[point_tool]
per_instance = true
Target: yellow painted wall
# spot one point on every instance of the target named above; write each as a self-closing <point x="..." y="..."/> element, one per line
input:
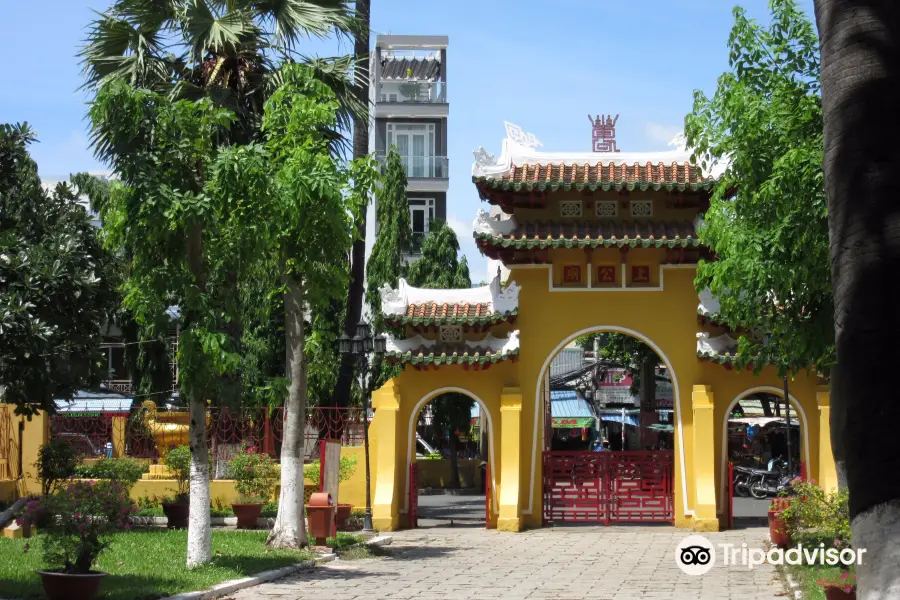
<point x="438" y="473"/>
<point x="8" y="490"/>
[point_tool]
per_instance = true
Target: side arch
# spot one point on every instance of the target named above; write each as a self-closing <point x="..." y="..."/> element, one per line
<point x="768" y="389"/>
<point x="677" y="400"/>
<point x="411" y="438"/>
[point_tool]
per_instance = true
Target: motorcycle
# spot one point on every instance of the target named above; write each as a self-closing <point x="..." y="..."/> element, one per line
<point x="741" y="481"/>
<point x="773" y="481"/>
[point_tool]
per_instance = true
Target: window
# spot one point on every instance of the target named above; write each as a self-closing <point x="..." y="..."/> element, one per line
<point x="642" y="208"/>
<point x="570" y="208"/>
<point x="421" y="214"/>
<point x="415" y="144"/>
<point x="607" y="208"/>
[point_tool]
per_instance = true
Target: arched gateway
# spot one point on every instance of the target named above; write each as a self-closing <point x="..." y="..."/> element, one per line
<point x="580" y="242"/>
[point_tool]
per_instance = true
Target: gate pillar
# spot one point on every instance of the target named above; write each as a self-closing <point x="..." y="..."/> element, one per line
<point x="703" y="428"/>
<point x="510" y="459"/>
<point x="384" y="431"/>
<point x="827" y="478"/>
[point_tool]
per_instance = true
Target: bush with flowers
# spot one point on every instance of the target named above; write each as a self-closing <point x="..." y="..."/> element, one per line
<point x="255" y="475"/>
<point x="87" y="513"/>
<point x="812" y="515"/>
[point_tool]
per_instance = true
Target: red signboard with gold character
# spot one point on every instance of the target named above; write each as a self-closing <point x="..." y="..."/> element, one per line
<point x="640" y="274"/>
<point x="571" y="274"/>
<point x="606" y="274"/>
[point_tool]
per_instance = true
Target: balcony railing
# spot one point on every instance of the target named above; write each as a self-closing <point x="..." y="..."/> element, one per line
<point x="422" y="166"/>
<point x="424" y="92"/>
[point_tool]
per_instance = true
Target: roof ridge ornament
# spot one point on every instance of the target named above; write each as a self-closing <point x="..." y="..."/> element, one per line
<point x="493" y="225"/>
<point x="519" y="136"/>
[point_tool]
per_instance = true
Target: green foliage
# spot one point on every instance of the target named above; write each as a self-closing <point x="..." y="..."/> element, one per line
<point x="255" y="475"/>
<point x="178" y="460"/>
<point x="346" y="470"/>
<point x="124" y="471"/>
<point x="440" y="266"/>
<point x="767" y="221"/>
<point x="57" y="282"/>
<point x="621" y="350"/>
<point x="56" y="463"/>
<point x="86" y="514"/>
<point x="813" y="515"/>
<point x="386" y="264"/>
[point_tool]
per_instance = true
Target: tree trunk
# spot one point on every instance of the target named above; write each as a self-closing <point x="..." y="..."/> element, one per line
<point x="860" y="44"/>
<point x="199" y="547"/>
<point x="344" y="383"/>
<point x="766" y="405"/>
<point x="454" y="462"/>
<point x="290" y="525"/>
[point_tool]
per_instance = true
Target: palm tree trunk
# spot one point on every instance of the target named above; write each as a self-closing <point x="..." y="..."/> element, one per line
<point x="199" y="545"/>
<point x="860" y="44"/>
<point x="341" y="395"/>
<point x="290" y="525"/>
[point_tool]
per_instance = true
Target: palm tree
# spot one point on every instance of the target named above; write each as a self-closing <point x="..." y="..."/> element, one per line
<point x="227" y="50"/>
<point x="860" y="47"/>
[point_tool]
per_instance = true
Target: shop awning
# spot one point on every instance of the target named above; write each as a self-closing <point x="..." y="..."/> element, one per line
<point x="569" y="410"/>
<point x="763" y="421"/>
<point x="629" y="419"/>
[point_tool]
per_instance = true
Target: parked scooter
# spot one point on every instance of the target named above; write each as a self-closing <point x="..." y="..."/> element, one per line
<point x="741" y="481"/>
<point x="773" y="481"/>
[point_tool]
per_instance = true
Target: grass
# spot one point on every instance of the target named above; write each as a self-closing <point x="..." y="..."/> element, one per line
<point x="149" y="564"/>
<point x="152" y="508"/>
<point x="807" y="575"/>
<point x="351" y="547"/>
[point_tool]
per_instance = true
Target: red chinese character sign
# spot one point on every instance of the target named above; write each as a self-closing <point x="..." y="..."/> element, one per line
<point x="604" y="133"/>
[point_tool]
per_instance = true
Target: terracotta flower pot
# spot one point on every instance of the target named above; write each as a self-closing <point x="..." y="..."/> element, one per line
<point x="247" y="515"/>
<point x="65" y="586"/>
<point x="342" y="516"/>
<point x="778" y="530"/>
<point x="177" y="513"/>
<point x="838" y="591"/>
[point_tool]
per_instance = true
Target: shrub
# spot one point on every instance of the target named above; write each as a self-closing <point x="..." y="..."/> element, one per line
<point x="346" y="470"/>
<point x="255" y="476"/>
<point x="87" y="513"/>
<point x="812" y="513"/>
<point x="179" y="462"/>
<point x="56" y="463"/>
<point x="126" y="471"/>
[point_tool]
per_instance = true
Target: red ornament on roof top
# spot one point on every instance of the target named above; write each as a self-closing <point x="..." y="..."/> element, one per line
<point x="604" y="133"/>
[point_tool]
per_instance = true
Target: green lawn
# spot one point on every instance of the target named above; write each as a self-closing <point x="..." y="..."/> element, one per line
<point x="149" y="564"/>
<point x="807" y="575"/>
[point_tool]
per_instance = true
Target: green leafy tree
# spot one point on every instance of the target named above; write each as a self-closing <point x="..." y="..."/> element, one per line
<point x="393" y="242"/>
<point x="314" y="231"/>
<point x="451" y="414"/>
<point x="191" y="213"/>
<point x="767" y="221"/>
<point x="440" y="266"/>
<point x="58" y="285"/>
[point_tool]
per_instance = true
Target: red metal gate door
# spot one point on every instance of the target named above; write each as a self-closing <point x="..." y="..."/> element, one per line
<point x="413" y="495"/>
<point x="576" y="487"/>
<point x="729" y="507"/>
<point x="487" y="496"/>
<point x="641" y="486"/>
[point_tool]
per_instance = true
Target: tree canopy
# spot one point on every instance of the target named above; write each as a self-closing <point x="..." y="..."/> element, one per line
<point x="58" y="284"/>
<point x="440" y="267"/>
<point x="767" y="220"/>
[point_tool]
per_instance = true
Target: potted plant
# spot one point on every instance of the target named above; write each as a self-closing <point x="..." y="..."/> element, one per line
<point x="177" y="508"/>
<point x="346" y="470"/>
<point x="778" y="527"/>
<point x="839" y="587"/>
<point x="87" y="512"/>
<point x="254" y="476"/>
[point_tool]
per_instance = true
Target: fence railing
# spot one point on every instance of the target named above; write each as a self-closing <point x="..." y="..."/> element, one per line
<point x="147" y="434"/>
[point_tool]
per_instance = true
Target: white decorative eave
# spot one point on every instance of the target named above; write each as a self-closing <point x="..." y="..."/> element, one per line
<point x="520" y="148"/>
<point x="493" y="225"/>
<point x="709" y="305"/>
<point x="495" y="345"/>
<point x="721" y="344"/>
<point x="502" y="301"/>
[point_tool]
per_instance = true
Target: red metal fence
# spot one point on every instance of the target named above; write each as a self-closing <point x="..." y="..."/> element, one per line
<point x="146" y="433"/>
<point x="413" y="495"/>
<point x="608" y="487"/>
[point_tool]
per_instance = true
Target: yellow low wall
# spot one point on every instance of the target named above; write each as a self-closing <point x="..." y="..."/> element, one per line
<point x="9" y="491"/>
<point x="437" y="473"/>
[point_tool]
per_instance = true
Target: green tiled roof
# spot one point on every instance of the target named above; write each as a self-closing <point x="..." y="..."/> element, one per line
<point x="450" y="356"/>
<point x="440" y="319"/>
<point x="594" y="234"/>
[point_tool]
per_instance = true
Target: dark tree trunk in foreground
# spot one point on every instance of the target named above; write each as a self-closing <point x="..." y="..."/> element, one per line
<point x="860" y="43"/>
<point x="341" y="395"/>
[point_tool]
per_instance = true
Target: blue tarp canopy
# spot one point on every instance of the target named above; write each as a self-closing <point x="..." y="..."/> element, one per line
<point x="629" y="419"/>
<point x="86" y="402"/>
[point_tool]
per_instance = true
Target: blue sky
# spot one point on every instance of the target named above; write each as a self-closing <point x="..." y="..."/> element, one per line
<point x="542" y="65"/>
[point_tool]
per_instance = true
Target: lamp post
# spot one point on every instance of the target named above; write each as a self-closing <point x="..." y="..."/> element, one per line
<point x="787" y="417"/>
<point x="360" y="346"/>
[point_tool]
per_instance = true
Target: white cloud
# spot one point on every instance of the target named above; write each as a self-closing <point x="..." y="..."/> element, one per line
<point x="660" y="133"/>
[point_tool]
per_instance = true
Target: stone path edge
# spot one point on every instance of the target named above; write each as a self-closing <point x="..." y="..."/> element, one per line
<point x="228" y="587"/>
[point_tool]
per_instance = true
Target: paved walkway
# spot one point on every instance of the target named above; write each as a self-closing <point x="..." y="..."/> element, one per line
<point x="598" y="563"/>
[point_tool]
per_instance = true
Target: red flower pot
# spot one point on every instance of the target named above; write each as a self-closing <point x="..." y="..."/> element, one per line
<point x="837" y="591"/>
<point x="65" y="586"/>
<point x="177" y="513"/>
<point x="342" y="516"/>
<point x="247" y="515"/>
<point x="778" y="530"/>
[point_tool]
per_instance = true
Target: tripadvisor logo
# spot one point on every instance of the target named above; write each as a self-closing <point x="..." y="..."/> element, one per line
<point x="696" y="555"/>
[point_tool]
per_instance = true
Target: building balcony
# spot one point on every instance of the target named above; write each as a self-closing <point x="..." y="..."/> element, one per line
<point x="421" y="167"/>
<point x="412" y="91"/>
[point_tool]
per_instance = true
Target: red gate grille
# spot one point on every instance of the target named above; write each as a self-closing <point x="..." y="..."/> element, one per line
<point x="608" y="487"/>
<point x="413" y="495"/>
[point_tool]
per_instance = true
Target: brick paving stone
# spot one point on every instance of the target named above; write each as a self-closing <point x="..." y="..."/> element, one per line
<point x="563" y="563"/>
